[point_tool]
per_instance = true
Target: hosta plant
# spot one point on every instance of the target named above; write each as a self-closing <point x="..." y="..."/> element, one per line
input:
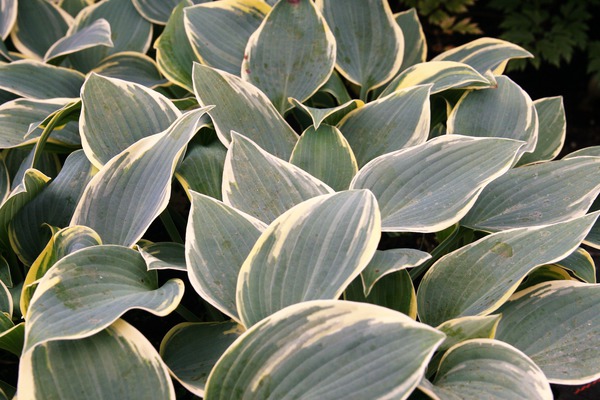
<point x="283" y="199"/>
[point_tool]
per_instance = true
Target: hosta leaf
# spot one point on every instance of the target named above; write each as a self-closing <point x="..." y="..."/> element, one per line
<point x="556" y="324"/>
<point x="592" y="151"/>
<point x="241" y="107"/>
<point x="364" y="31"/>
<point x="134" y="187"/>
<point x="88" y="290"/>
<point x="6" y="300"/>
<point x="39" y="24"/>
<point x="537" y="194"/>
<point x="325" y="154"/>
<point x="394" y="291"/>
<point x="336" y="87"/>
<point x="486" y="368"/>
<point x="218" y="240"/>
<point x="461" y="329"/>
<point x="54" y="206"/>
<point x="211" y="24"/>
<point x="165" y="255"/>
<point x="130" y="112"/>
<point x="398" y="120"/>
<point x="4" y="181"/>
<point x="301" y="246"/>
<point x="263" y="185"/>
<point x="415" y="45"/>
<point x="62" y="243"/>
<point x="478" y="278"/>
<point x="96" y="34"/>
<point x="303" y="351"/>
<point x="507" y="111"/>
<point x="429" y="187"/>
<point x="387" y="261"/>
<point x="329" y="116"/>
<point x="12" y="338"/>
<point x="21" y="119"/>
<point x="581" y="264"/>
<point x="443" y="75"/>
<point x="191" y="350"/>
<point x="74" y="6"/>
<point x="131" y="66"/>
<point x="8" y="17"/>
<point x="552" y="130"/>
<point x="174" y="54"/>
<point x="125" y="366"/>
<point x="202" y="168"/>
<point x="156" y="11"/>
<point x="34" y="80"/>
<point x="129" y="31"/>
<point x="485" y="54"/>
<point x="19" y="161"/>
<point x="291" y="54"/>
<point x="32" y="183"/>
<point x="545" y="273"/>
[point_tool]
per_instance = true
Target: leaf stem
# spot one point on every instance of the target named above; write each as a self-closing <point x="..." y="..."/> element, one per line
<point x="170" y="226"/>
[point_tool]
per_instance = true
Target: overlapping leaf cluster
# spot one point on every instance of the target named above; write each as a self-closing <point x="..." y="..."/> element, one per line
<point x="316" y="147"/>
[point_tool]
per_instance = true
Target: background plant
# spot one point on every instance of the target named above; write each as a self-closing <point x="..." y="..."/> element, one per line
<point x="324" y="226"/>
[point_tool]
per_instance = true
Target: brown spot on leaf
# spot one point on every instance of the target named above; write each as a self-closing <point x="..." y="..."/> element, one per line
<point x="293" y="1"/>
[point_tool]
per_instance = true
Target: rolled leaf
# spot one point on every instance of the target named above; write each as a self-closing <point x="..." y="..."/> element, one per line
<point x="96" y="34"/>
<point x="191" y="350"/>
<point x="507" y="111"/>
<point x="478" y="278"/>
<point x="581" y="264"/>
<point x="174" y="54"/>
<point x="86" y="291"/>
<point x="394" y="291"/>
<point x="164" y="255"/>
<point x="304" y="350"/>
<point x="325" y="154"/>
<point x="485" y="54"/>
<point x="54" y="206"/>
<point x="537" y="194"/>
<point x="300" y="247"/>
<point x="556" y="324"/>
<point x="129" y="32"/>
<point x="208" y="25"/>
<point x="263" y="185"/>
<point x="62" y="243"/>
<point x="398" y="120"/>
<point x="202" y="168"/>
<point x="364" y="31"/>
<point x="415" y="45"/>
<point x="133" y="67"/>
<point x="39" y="24"/>
<point x="30" y="185"/>
<point x="387" y="261"/>
<point x="21" y="120"/>
<point x="552" y="130"/>
<point x="460" y="166"/>
<point x="291" y="54"/>
<point x="443" y="75"/>
<point x="156" y="11"/>
<point x="34" y="80"/>
<point x="8" y="17"/>
<point x="330" y="116"/>
<point x="218" y="240"/>
<point x="130" y="112"/>
<point x="485" y="368"/>
<point x="134" y="187"/>
<point x="125" y="366"/>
